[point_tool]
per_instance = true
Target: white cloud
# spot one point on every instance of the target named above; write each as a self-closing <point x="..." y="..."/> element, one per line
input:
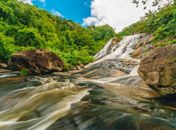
<point x="54" y="12"/>
<point x="26" y="1"/>
<point x="116" y="13"/>
<point x="91" y="21"/>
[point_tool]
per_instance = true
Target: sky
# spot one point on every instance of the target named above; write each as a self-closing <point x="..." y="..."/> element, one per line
<point x="75" y="10"/>
<point x="116" y="13"/>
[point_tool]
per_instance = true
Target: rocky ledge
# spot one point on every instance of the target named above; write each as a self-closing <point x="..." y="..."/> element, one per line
<point x="159" y="70"/>
<point x="36" y="62"/>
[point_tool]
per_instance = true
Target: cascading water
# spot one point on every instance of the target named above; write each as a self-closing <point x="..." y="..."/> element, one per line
<point x="119" y="53"/>
<point x="107" y="94"/>
<point x="120" y="50"/>
<point x="105" y="51"/>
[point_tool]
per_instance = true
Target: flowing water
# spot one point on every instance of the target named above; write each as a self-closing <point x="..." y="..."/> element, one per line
<point x="107" y="94"/>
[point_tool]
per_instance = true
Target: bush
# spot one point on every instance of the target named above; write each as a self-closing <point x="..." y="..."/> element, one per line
<point x="24" y="72"/>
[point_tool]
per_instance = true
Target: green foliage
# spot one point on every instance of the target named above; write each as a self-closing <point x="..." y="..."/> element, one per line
<point x="5" y="11"/>
<point x="76" y="57"/>
<point x="162" y="25"/>
<point x="29" y="37"/>
<point x="24" y="27"/>
<point x="24" y="72"/>
<point x="5" y="49"/>
<point x="101" y="35"/>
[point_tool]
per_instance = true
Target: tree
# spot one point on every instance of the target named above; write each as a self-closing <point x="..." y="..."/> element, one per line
<point x="5" y="52"/>
<point x="81" y="37"/>
<point x="29" y="37"/>
<point x="5" y="11"/>
<point x="104" y="32"/>
<point x="157" y="3"/>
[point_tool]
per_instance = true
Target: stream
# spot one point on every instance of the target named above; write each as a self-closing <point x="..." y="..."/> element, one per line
<point x="107" y="94"/>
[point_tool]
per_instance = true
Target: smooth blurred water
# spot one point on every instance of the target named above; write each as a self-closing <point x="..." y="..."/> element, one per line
<point x="58" y="104"/>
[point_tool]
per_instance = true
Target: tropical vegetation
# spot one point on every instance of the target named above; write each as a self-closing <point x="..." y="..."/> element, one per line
<point x="161" y="24"/>
<point x="24" y="27"/>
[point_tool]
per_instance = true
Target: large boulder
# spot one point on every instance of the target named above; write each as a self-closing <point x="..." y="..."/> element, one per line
<point x="36" y="62"/>
<point x="159" y="70"/>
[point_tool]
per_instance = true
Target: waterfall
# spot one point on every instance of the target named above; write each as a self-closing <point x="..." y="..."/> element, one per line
<point x="115" y="60"/>
<point x="122" y="50"/>
<point x="105" y="51"/>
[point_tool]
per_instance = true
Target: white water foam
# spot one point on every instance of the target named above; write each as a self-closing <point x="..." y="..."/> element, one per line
<point x="104" y="51"/>
<point x="121" y="50"/>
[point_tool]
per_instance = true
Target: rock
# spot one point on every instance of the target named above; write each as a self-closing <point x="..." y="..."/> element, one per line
<point x="159" y="70"/>
<point x="36" y="61"/>
<point x="3" y="66"/>
<point x="142" y="51"/>
<point x="144" y="41"/>
<point x="114" y="42"/>
<point x="128" y="62"/>
<point x="137" y="52"/>
<point x="79" y="67"/>
<point x="142" y="47"/>
<point x="108" y="68"/>
<point x="3" y="71"/>
<point x="82" y="65"/>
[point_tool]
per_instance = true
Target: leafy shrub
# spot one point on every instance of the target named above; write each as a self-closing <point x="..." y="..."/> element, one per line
<point x="24" y="72"/>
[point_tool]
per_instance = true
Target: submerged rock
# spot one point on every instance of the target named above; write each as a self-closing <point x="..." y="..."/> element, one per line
<point x="36" y="61"/>
<point x="159" y="70"/>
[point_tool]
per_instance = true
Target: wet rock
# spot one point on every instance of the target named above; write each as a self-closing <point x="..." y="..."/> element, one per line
<point x="109" y="68"/>
<point x="142" y="47"/>
<point x="137" y="52"/>
<point x="142" y="52"/>
<point x="3" y="66"/>
<point x="128" y="62"/>
<point x="79" y="67"/>
<point x="2" y="71"/>
<point x="144" y="41"/>
<point x="114" y="42"/>
<point x="36" y="61"/>
<point x="159" y="70"/>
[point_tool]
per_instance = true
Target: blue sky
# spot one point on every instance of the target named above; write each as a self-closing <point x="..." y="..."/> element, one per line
<point x="75" y="10"/>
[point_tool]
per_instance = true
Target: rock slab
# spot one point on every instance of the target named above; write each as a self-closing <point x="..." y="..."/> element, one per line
<point x="159" y="70"/>
<point x="36" y="62"/>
